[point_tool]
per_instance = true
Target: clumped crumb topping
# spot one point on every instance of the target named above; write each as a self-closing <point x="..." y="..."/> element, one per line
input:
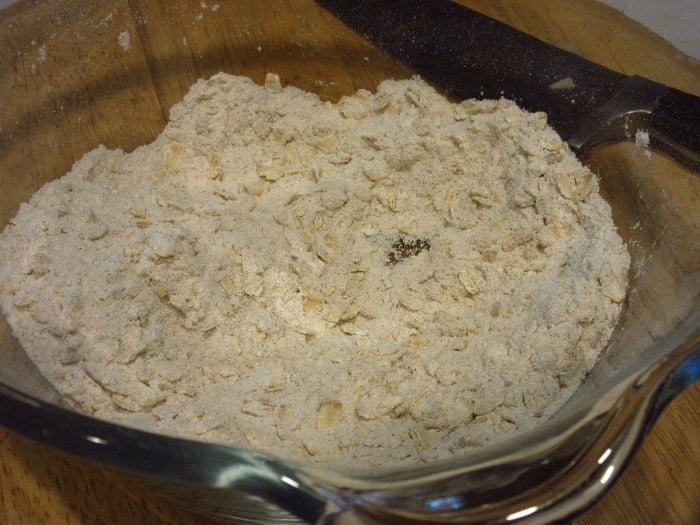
<point x="384" y="281"/>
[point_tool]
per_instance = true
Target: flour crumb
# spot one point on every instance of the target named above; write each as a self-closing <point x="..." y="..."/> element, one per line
<point x="41" y="54"/>
<point x="387" y="280"/>
<point x="124" y="40"/>
<point x="641" y="140"/>
<point x="107" y="19"/>
<point x="563" y="84"/>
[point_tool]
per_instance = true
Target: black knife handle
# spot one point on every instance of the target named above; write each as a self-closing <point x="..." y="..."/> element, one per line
<point x="467" y="54"/>
<point x="675" y="123"/>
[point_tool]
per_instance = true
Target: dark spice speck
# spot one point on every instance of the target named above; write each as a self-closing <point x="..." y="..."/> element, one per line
<point x="403" y="248"/>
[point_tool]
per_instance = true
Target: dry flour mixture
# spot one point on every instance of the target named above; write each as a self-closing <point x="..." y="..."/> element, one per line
<point x="392" y="278"/>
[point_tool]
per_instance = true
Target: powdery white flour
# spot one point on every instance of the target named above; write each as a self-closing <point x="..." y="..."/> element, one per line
<point x="392" y="278"/>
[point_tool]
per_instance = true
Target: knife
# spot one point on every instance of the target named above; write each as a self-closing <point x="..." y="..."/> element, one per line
<point x="469" y="55"/>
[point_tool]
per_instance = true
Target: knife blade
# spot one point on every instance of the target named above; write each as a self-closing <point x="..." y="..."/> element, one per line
<point x="469" y="55"/>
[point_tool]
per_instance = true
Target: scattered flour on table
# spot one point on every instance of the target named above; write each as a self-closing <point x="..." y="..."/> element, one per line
<point x="124" y="40"/>
<point x="392" y="278"/>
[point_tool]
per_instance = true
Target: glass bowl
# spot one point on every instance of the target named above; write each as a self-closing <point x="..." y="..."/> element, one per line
<point x="79" y="74"/>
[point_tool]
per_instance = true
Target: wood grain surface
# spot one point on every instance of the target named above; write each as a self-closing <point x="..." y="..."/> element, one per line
<point x="64" y="66"/>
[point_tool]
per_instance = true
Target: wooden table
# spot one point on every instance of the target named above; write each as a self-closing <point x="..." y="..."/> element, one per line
<point x="132" y="81"/>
